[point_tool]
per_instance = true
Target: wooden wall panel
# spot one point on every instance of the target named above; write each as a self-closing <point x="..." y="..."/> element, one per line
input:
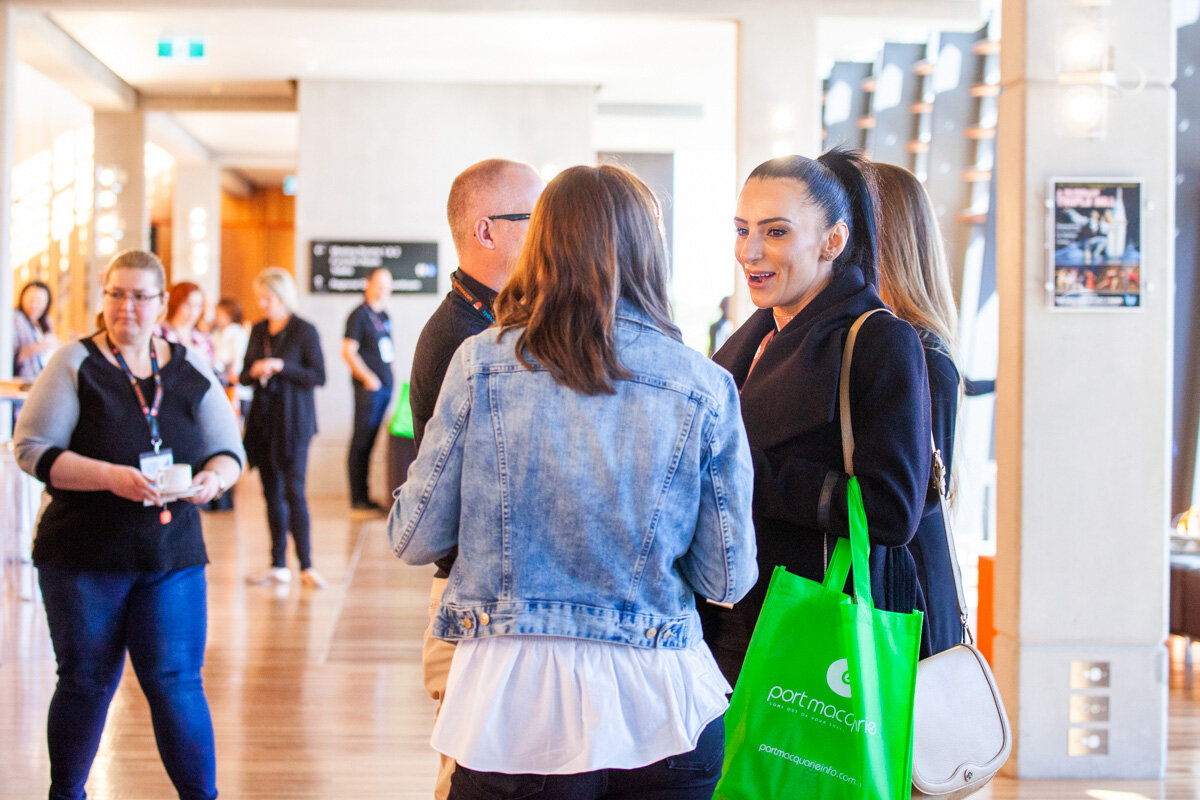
<point x="256" y="232"/>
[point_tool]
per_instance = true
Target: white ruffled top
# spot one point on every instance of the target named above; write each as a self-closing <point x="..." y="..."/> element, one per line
<point x="559" y="706"/>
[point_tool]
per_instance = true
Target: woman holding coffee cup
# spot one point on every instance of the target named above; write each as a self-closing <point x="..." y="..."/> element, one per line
<point x="115" y="426"/>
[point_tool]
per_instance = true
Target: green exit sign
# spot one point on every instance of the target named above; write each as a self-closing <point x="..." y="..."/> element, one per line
<point x="181" y="48"/>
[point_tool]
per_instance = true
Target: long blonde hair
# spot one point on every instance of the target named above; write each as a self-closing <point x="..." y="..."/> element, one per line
<point x="914" y="277"/>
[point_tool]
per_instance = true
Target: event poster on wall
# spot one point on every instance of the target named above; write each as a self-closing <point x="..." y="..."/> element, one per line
<point x="1096" y="259"/>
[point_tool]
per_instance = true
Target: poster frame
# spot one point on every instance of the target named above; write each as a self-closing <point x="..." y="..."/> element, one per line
<point x="1053" y="293"/>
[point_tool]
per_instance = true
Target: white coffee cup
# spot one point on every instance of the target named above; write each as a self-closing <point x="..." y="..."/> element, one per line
<point x="175" y="479"/>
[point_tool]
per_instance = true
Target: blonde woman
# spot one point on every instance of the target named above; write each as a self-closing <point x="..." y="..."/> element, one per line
<point x="914" y="280"/>
<point x="284" y="364"/>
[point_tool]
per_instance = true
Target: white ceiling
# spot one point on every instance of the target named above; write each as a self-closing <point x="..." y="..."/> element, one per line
<point x="631" y="60"/>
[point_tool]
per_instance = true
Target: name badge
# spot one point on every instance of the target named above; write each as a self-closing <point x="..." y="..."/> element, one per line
<point x="152" y="463"/>
<point x="386" y="351"/>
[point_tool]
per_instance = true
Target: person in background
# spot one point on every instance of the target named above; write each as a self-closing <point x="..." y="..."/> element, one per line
<point x="914" y="279"/>
<point x="33" y="334"/>
<point x="185" y="307"/>
<point x="805" y="239"/>
<point x="283" y="364"/>
<point x="488" y="208"/>
<point x="719" y="331"/>
<point x="367" y="348"/>
<point x="594" y="472"/>
<point x="229" y="346"/>
<point x="229" y="340"/>
<point x="121" y="565"/>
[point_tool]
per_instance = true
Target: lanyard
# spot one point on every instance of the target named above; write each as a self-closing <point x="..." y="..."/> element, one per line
<point x="470" y="298"/>
<point x="382" y="325"/>
<point x="148" y="411"/>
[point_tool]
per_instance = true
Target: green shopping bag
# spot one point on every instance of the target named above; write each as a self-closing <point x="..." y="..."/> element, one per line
<point x="402" y="420"/>
<point x="824" y="704"/>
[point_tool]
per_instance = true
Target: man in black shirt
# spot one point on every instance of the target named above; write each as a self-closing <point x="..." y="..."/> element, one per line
<point x="367" y="348"/>
<point x="489" y="208"/>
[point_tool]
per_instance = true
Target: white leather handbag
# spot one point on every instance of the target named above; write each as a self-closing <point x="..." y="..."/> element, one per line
<point x="961" y="733"/>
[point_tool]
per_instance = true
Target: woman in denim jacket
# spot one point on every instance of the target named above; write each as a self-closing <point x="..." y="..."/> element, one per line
<point x="594" y="473"/>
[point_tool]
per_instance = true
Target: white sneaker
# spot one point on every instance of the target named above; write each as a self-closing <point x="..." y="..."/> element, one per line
<point x="312" y="579"/>
<point x="270" y="575"/>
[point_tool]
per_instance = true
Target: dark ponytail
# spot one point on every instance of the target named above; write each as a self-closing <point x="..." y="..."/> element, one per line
<point x="837" y="183"/>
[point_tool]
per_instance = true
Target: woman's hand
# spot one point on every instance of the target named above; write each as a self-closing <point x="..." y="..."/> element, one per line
<point x="265" y="368"/>
<point x="207" y="485"/>
<point x="130" y="483"/>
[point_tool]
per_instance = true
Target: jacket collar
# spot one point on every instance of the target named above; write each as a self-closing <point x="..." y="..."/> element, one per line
<point x="794" y="385"/>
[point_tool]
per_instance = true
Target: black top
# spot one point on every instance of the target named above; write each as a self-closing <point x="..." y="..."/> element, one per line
<point x="283" y="414"/>
<point x="369" y="328"/>
<point x="97" y="530"/>
<point x="453" y="322"/>
<point x="943" y="629"/>
<point x="790" y="407"/>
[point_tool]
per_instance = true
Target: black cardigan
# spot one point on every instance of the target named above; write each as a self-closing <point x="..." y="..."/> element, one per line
<point x="283" y="414"/>
<point x="928" y="547"/>
<point x="790" y="407"/>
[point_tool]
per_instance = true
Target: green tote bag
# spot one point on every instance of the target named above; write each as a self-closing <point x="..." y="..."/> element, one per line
<point x="823" y="707"/>
<point x="824" y="704"/>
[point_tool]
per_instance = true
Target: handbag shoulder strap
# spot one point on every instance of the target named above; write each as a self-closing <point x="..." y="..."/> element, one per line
<point x="844" y="389"/>
<point x="942" y="483"/>
<point x="939" y="468"/>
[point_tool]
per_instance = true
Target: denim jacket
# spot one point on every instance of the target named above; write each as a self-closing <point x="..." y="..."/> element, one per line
<point x="591" y="517"/>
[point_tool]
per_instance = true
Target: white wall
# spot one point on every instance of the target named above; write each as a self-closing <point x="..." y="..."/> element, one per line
<point x="376" y="163"/>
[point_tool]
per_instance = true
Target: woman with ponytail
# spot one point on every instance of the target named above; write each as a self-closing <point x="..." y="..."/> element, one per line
<point x="806" y="241"/>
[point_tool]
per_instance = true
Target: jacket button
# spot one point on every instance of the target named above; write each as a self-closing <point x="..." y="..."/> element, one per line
<point x="466" y="623"/>
<point x="651" y="633"/>
<point x="484" y="619"/>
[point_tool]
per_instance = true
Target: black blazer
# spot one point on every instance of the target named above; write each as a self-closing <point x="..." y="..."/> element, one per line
<point x="790" y="407"/>
<point x="283" y="414"/>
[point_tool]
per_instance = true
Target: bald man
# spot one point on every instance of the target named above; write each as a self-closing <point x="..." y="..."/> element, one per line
<point x="489" y="208"/>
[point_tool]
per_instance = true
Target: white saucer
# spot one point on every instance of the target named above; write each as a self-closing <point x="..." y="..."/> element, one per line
<point x="173" y="496"/>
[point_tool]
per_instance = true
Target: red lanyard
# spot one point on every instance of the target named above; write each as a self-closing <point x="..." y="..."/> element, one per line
<point x="150" y="412"/>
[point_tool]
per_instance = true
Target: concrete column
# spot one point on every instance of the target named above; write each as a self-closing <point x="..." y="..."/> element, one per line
<point x="1083" y="417"/>
<point x="8" y="87"/>
<point x="779" y="96"/>
<point x="120" y="145"/>
<point x="196" y="227"/>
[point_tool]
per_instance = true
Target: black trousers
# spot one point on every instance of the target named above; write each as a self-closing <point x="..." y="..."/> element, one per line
<point x="687" y="776"/>
<point x="287" y="509"/>
<point x="369" y="410"/>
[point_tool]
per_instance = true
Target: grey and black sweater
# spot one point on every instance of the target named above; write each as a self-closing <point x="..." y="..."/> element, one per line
<point x="82" y="402"/>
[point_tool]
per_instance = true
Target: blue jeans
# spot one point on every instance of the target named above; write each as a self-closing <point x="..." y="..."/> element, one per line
<point x="687" y="776"/>
<point x="161" y="618"/>
<point x="369" y="411"/>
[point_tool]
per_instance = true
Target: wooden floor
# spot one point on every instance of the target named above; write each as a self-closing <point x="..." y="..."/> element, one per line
<point x="317" y="694"/>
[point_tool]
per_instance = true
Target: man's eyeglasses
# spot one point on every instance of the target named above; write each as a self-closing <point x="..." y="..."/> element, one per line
<point x="510" y="217"/>
<point x="119" y="296"/>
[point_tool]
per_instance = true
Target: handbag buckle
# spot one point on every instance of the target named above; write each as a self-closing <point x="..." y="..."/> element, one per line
<point x="939" y="474"/>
